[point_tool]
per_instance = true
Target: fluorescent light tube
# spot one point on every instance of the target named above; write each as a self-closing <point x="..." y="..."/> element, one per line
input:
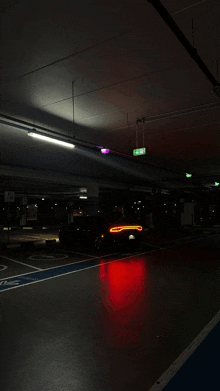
<point x="51" y="140"/>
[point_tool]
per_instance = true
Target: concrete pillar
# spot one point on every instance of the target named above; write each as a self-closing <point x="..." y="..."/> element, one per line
<point x="70" y="212"/>
<point x="92" y="207"/>
<point x="23" y="218"/>
<point x="187" y="218"/>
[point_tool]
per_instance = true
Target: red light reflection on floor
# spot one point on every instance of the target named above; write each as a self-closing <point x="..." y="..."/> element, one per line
<point x="123" y="289"/>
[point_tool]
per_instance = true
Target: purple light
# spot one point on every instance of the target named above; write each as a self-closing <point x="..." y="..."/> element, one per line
<point x="104" y="150"/>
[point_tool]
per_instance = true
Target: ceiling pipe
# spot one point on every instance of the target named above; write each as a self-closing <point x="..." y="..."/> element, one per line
<point x="91" y="148"/>
<point x="185" y="43"/>
<point x="171" y="114"/>
<point x="20" y="124"/>
<point x="51" y="177"/>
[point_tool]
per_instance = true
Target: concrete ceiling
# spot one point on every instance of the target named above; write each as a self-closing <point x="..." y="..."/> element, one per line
<point x="88" y="71"/>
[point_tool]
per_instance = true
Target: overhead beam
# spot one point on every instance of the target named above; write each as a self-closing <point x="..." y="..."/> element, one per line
<point x="162" y="11"/>
<point x="49" y="176"/>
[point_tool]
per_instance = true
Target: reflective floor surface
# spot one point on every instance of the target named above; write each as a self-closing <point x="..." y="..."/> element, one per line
<point x="73" y="319"/>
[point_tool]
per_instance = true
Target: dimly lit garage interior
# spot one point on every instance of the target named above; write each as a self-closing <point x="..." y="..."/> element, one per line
<point x="108" y="107"/>
<point x="144" y="75"/>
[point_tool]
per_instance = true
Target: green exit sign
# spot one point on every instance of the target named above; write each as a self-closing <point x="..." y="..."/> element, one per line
<point x="139" y="151"/>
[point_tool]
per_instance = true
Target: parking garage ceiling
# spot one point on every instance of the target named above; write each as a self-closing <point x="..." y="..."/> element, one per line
<point x="113" y="74"/>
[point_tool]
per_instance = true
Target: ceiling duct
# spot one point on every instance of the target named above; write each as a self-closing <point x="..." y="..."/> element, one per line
<point x="162" y="11"/>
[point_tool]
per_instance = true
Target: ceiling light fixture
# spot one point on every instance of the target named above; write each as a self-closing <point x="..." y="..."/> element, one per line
<point x="50" y="139"/>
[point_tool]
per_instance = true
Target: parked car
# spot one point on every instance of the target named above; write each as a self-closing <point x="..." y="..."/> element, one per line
<point x="100" y="231"/>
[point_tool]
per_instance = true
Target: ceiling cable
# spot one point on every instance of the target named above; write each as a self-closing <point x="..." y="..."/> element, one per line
<point x="93" y="46"/>
<point x="176" y="113"/>
<point x="190" y="6"/>
<point x="74" y="54"/>
<point x="109" y="86"/>
<point x="181" y="112"/>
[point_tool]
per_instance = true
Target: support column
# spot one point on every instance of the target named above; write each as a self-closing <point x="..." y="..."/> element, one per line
<point x="187" y="218"/>
<point x="70" y="212"/>
<point x="23" y="215"/>
<point x="92" y="200"/>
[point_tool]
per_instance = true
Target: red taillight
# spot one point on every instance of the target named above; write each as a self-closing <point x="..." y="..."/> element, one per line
<point x="125" y="227"/>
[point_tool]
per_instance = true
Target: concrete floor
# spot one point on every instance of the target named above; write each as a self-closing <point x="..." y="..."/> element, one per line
<point x="115" y="325"/>
<point x="17" y="235"/>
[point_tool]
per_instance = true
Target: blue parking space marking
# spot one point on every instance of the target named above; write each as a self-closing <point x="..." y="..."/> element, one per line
<point x="33" y="277"/>
<point x="197" y="368"/>
<point x="201" y="371"/>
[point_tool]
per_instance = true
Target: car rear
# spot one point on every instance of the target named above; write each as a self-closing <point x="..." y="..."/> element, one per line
<point x="126" y="233"/>
<point x="121" y="231"/>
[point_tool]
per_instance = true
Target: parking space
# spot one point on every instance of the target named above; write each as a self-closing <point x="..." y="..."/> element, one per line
<point x="17" y="260"/>
<point x="43" y="259"/>
<point x="75" y="318"/>
<point x="19" y="266"/>
<point x="17" y="234"/>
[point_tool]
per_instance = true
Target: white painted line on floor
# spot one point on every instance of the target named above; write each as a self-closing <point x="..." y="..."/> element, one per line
<point x="22" y="263"/>
<point x="178" y="363"/>
<point x="150" y="245"/>
<point x="61" y="275"/>
<point x="192" y="239"/>
<point x="3" y="267"/>
<point x="5" y="283"/>
<point x="45" y="257"/>
<point x="75" y="263"/>
<point x="74" y="252"/>
<point x="84" y="260"/>
<point x="127" y="254"/>
<point x="133" y="255"/>
<point x="19" y="275"/>
<point x="189" y="241"/>
<point x="108" y="255"/>
<point x="88" y="255"/>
